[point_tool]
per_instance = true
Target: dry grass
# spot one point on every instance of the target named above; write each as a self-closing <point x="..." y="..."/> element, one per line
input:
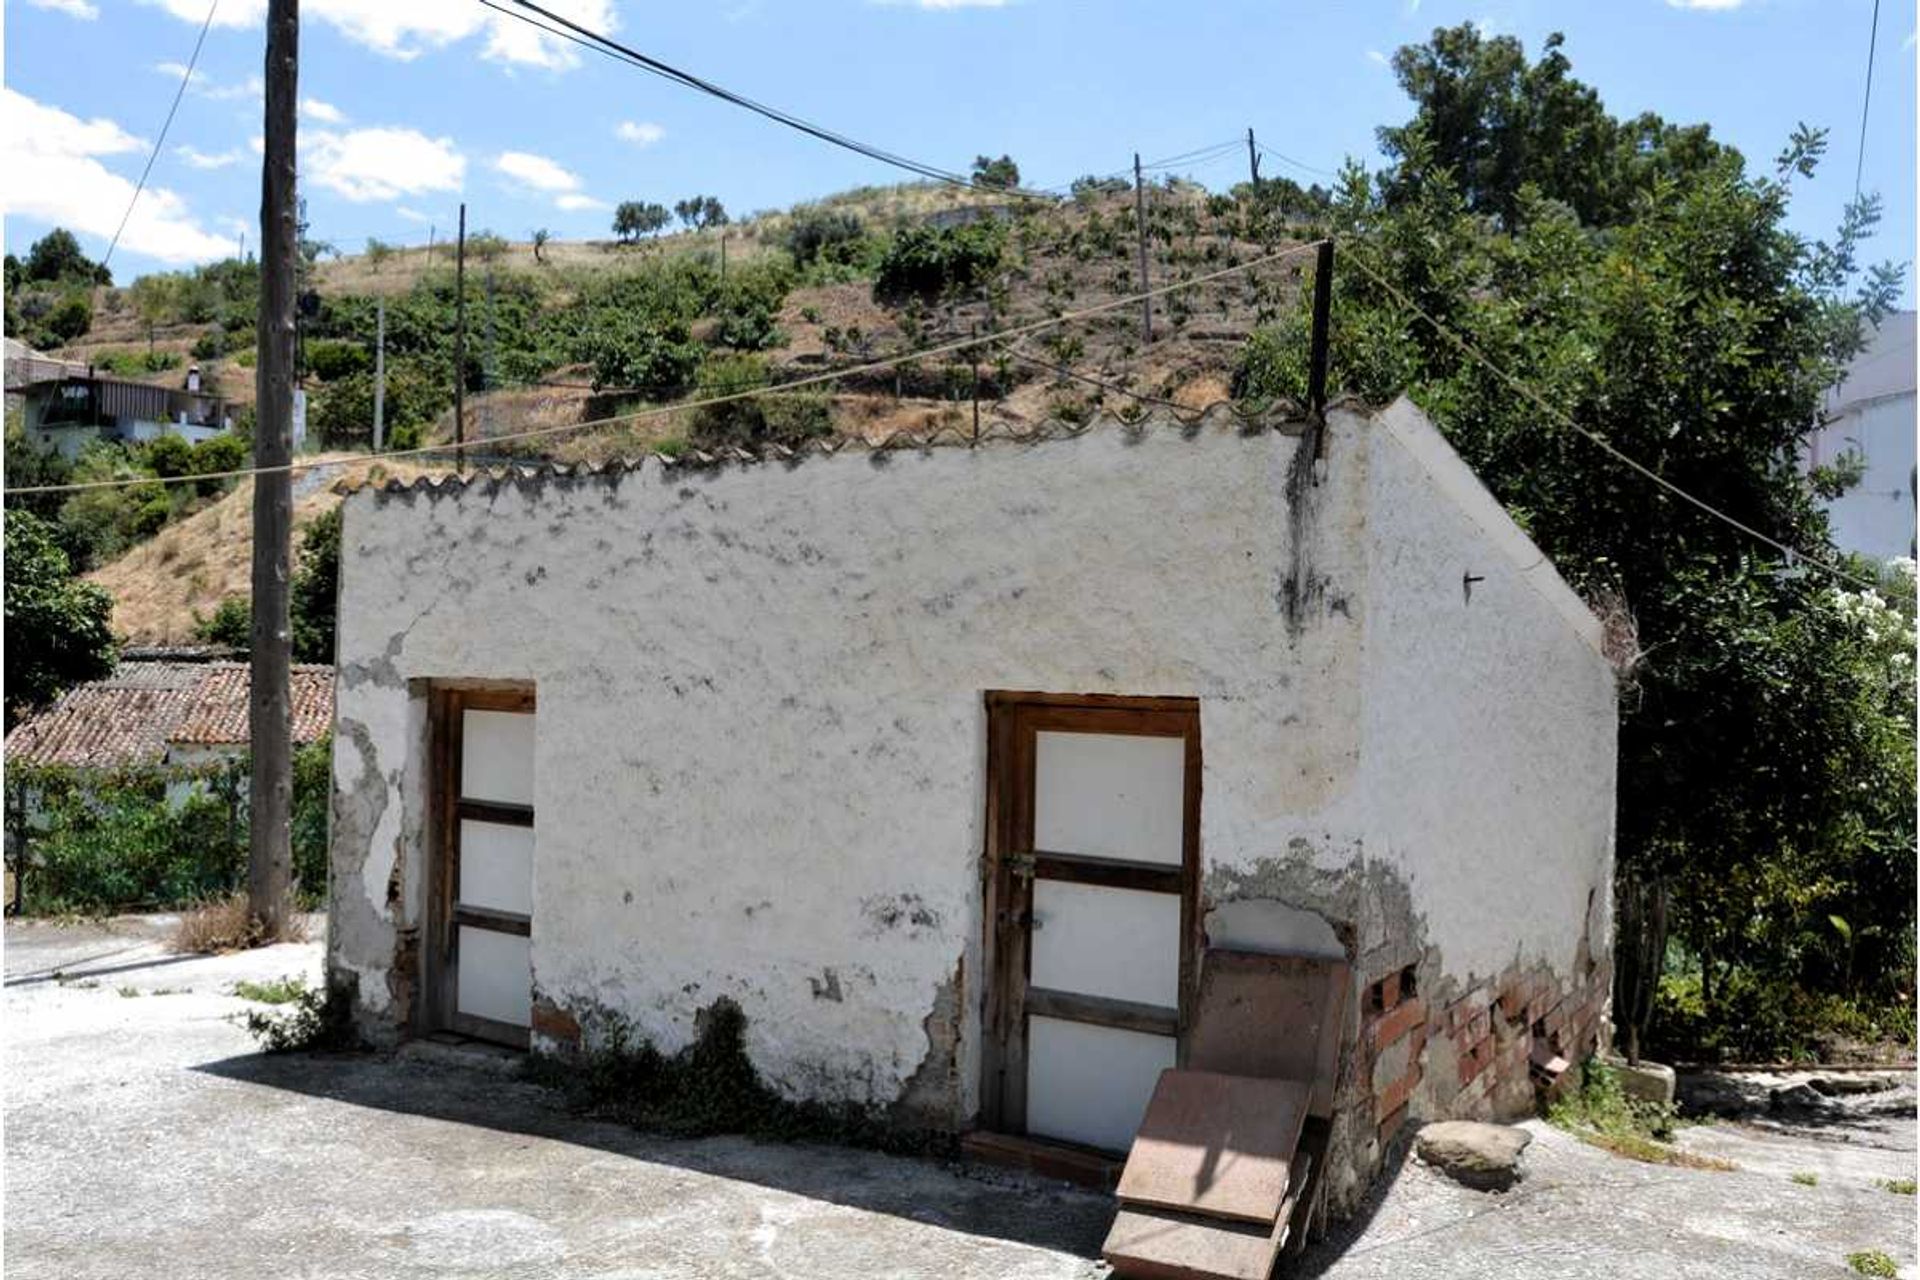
<point x="160" y="585"/>
<point x="224" y="924"/>
<point x="1648" y="1151"/>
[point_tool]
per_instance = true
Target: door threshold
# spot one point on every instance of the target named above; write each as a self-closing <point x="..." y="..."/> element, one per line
<point x="452" y="1049"/>
<point x="1083" y="1166"/>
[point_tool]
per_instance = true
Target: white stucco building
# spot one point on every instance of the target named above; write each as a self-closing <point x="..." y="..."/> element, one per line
<point x="951" y="766"/>
<point x="1872" y="413"/>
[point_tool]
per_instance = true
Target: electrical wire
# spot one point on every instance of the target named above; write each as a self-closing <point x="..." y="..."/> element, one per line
<point x="565" y="28"/>
<point x="661" y="411"/>
<point x="1794" y="555"/>
<point x="1860" y="163"/>
<point x="185" y="78"/>
<point x="1302" y="165"/>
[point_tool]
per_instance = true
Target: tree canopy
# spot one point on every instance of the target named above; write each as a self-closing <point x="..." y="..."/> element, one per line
<point x="634" y="218"/>
<point x="57" y="632"/>
<point x="1642" y="281"/>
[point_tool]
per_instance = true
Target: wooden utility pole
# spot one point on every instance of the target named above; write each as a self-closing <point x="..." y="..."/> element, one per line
<point x="1140" y="223"/>
<point x="270" y="711"/>
<point x="460" y="345"/>
<point x="379" y="374"/>
<point x="1322" y="323"/>
<point x="973" y="353"/>
<point x="1253" y="160"/>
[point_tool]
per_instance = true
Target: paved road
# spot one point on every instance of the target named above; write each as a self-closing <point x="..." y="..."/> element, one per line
<point x="145" y="1138"/>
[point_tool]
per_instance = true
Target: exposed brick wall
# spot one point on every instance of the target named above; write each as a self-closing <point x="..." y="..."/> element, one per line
<point x="1471" y="1056"/>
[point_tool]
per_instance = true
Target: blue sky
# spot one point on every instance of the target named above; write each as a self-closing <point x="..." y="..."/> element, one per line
<point x="414" y="104"/>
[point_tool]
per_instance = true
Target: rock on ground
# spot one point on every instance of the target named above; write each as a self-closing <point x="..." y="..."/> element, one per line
<point x="1483" y="1156"/>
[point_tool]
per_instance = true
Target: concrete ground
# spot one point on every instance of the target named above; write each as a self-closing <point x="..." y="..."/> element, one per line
<point x="144" y="1137"/>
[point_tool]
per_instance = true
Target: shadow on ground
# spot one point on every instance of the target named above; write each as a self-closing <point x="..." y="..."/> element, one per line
<point x="970" y="1198"/>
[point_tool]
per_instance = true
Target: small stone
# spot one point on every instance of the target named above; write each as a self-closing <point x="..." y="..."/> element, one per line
<point x="1485" y="1157"/>
<point x="1644" y="1081"/>
<point x="1850" y="1086"/>
<point x="1798" y="1097"/>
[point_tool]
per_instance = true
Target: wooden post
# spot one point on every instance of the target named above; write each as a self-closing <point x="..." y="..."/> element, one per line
<point x="723" y="257"/>
<point x="1253" y="161"/>
<point x="379" y="374"/>
<point x="973" y="353"/>
<point x="1322" y="315"/>
<point x="1140" y="221"/>
<point x="270" y="715"/>
<point x="460" y="345"/>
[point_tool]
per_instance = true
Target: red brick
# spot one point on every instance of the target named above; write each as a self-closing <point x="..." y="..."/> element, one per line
<point x="1390" y="1026"/>
<point x="1389" y="990"/>
<point x="1395" y="1095"/>
<point x="555" y="1023"/>
<point x="1391" y="1126"/>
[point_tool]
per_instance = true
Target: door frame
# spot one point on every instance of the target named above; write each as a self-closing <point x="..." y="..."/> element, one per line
<point x="1009" y="867"/>
<point x="439" y="1008"/>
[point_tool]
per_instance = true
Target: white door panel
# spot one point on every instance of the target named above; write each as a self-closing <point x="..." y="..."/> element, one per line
<point x="496" y="756"/>
<point x="1114" y="795"/>
<point x="496" y="976"/>
<point x="1119" y="943"/>
<point x="1091" y="1084"/>
<point x="496" y="867"/>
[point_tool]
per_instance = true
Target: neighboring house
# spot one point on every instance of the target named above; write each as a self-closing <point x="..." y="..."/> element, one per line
<point x="1872" y="413"/>
<point x="974" y="777"/>
<point x="151" y="713"/>
<point x="69" y="411"/>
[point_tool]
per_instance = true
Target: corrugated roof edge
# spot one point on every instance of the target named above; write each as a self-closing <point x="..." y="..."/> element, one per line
<point x="1284" y="420"/>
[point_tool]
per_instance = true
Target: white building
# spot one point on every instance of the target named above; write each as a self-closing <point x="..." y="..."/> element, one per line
<point x="1872" y="413"/>
<point x="959" y="770"/>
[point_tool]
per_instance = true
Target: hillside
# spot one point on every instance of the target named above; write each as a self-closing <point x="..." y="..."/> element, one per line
<point x="161" y="587"/>
<point x="579" y="332"/>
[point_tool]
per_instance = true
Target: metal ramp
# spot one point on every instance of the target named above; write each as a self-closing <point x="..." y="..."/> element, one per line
<point x="1226" y="1171"/>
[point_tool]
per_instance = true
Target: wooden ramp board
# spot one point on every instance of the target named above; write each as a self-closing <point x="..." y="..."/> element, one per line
<point x="1273" y="1016"/>
<point x="1216" y="1145"/>
<point x="1162" y="1244"/>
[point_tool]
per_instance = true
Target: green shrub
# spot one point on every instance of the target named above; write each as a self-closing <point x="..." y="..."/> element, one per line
<point x="69" y="318"/>
<point x="231" y="625"/>
<point x="332" y="358"/>
<point x="168" y="456"/>
<point x="814" y="234"/>
<point x="787" y="418"/>
<point x="656" y="360"/>
<point x="315" y="1019"/>
<point x="933" y="262"/>
<point x="1872" y="1262"/>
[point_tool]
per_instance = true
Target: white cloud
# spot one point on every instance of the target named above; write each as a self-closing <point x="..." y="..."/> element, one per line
<point x="202" y="85"/>
<point x="72" y="8"/>
<point x="321" y="112"/>
<point x="381" y="163"/>
<point x="199" y="159"/>
<point x="641" y="133"/>
<point x="548" y="177"/>
<point x="1377" y="57"/>
<point x="413" y="215"/>
<point x="537" y="172"/>
<point x="404" y="29"/>
<point x="50" y="168"/>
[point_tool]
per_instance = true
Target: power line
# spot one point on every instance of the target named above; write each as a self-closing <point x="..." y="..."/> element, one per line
<point x="1540" y="402"/>
<point x="1302" y="165"/>
<point x="661" y="411"/>
<point x="1860" y="164"/>
<point x="586" y="37"/>
<point x="185" y="78"/>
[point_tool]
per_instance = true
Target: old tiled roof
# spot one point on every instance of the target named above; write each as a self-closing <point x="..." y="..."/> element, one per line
<point x="217" y="713"/>
<point x="132" y="716"/>
<point x="1283" y="418"/>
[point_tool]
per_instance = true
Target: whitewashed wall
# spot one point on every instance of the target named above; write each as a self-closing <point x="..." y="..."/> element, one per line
<point x="761" y="735"/>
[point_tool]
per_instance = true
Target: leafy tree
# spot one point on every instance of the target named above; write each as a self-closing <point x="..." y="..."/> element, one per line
<point x="378" y="251"/>
<point x="828" y="235"/>
<point x="1498" y="123"/>
<point x="654" y="360"/>
<point x="539" y="236"/>
<point x="70" y="318"/>
<point x="55" y="258"/>
<point x="57" y="630"/>
<point x="697" y="212"/>
<point x="634" y="218"/>
<point x="314" y="589"/>
<point x="1001" y="174"/>
<point x="29" y="466"/>
<point x="155" y="299"/>
<point x="931" y="262"/>
<point x="1766" y="750"/>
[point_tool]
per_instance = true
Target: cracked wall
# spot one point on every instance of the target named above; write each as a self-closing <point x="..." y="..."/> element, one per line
<point x="761" y="737"/>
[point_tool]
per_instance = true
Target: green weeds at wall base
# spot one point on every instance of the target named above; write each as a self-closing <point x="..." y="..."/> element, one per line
<point x="710" y="1087"/>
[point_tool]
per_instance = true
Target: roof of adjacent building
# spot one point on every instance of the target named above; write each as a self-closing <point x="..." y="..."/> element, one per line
<point x="144" y="709"/>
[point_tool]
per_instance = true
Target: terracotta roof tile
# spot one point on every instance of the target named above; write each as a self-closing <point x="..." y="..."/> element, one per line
<point x="132" y="716"/>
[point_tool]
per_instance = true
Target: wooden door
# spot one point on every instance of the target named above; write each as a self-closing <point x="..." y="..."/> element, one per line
<point x="1094" y="813"/>
<point x="483" y="976"/>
